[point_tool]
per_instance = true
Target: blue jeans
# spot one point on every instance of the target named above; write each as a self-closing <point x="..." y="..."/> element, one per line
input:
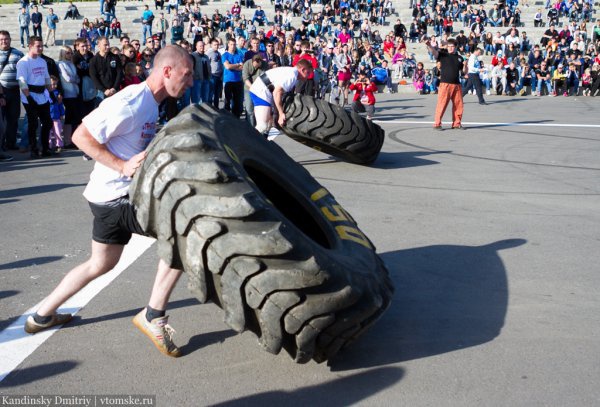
<point x="169" y="7"/>
<point x="201" y="91"/>
<point x="24" y="30"/>
<point x="548" y="84"/>
<point x="215" y="90"/>
<point x="146" y="30"/>
<point x="184" y="101"/>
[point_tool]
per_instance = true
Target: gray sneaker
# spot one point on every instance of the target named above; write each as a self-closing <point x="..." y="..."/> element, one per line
<point x="32" y="327"/>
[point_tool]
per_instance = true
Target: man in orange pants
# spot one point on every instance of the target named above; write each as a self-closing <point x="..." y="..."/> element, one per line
<point x="450" y="88"/>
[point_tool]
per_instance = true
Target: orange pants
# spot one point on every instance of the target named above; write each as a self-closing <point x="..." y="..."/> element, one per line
<point x="447" y="92"/>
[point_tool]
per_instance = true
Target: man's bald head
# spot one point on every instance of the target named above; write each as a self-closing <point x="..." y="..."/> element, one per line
<point x="171" y="55"/>
<point x="172" y="73"/>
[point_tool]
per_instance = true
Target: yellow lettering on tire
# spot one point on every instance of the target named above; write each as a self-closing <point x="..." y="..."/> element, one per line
<point x="353" y="234"/>
<point x="337" y="215"/>
<point x="231" y="154"/>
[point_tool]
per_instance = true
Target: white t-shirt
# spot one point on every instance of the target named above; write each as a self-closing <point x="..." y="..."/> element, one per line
<point x="284" y="77"/>
<point x="34" y="71"/>
<point x="125" y="123"/>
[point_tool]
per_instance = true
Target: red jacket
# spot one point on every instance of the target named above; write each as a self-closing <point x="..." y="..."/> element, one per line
<point x="368" y="89"/>
<point x="502" y="61"/>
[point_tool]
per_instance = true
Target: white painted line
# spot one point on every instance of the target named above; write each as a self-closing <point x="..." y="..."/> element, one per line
<point x="16" y="345"/>
<point x="500" y="124"/>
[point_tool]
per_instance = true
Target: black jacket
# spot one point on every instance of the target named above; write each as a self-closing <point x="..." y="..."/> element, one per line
<point x="106" y="72"/>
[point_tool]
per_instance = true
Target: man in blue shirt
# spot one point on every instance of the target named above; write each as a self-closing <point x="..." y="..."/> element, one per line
<point x="147" y="19"/>
<point x="260" y="16"/>
<point x="233" y="62"/>
<point x="51" y="20"/>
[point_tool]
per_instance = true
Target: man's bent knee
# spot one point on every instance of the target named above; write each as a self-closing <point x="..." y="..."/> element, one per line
<point x="262" y="127"/>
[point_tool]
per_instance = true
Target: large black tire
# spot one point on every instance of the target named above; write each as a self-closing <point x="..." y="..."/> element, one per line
<point x="258" y="236"/>
<point x="332" y="130"/>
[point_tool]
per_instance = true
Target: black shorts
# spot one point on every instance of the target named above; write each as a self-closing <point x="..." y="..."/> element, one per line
<point x="114" y="221"/>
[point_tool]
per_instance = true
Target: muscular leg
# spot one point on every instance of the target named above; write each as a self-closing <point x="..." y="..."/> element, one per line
<point x="103" y="259"/>
<point x="164" y="283"/>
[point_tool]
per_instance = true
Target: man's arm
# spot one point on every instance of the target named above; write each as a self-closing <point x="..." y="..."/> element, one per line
<point x="278" y="93"/>
<point x="90" y="146"/>
<point x="433" y="51"/>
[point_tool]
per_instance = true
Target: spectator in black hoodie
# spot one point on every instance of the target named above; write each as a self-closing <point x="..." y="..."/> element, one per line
<point x="105" y="69"/>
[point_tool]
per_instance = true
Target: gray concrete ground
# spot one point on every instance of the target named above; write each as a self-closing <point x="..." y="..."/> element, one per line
<point x="490" y="235"/>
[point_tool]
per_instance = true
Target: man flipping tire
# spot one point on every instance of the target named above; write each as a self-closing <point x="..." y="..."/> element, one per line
<point x="268" y="90"/>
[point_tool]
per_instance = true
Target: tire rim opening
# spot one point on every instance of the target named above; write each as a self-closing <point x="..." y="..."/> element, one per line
<point x="290" y="206"/>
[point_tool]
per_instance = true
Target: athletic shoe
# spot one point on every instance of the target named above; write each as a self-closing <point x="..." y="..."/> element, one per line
<point x="565" y="94"/>
<point x="5" y="157"/>
<point x="32" y="327"/>
<point x="159" y="332"/>
<point x="487" y="92"/>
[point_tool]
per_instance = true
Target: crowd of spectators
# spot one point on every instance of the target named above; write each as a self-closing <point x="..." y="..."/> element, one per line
<point x="343" y="39"/>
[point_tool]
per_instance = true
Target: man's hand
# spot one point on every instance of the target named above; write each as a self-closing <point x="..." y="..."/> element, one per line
<point x="281" y="119"/>
<point x="133" y="164"/>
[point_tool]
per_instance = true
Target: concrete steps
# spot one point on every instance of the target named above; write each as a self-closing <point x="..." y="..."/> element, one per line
<point x="129" y="13"/>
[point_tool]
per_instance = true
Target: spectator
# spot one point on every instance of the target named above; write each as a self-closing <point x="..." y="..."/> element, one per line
<point x="176" y="32"/>
<point x="172" y="4"/>
<point x="24" y="20"/>
<point x="10" y="98"/>
<point x="106" y="70"/>
<point x="512" y="79"/>
<point x="115" y="28"/>
<point x="147" y="20"/>
<point x="571" y="81"/>
<point x="216" y="70"/>
<point x="543" y="78"/>
<point x="130" y="75"/>
<point x="87" y="90"/>
<point x="36" y="21"/>
<point x="202" y="75"/>
<point x="72" y="12"/>
<point x="364" y="98"/>
<point x="51" y="21"/>
<point x="260" y="17"/>
<point x="34" y="81"/>
<point x="57" y="113"/>
<point x="233" y="62"/>
<point x="419" y="78"/>
<point x="70" y="86"/>
<point x="343" y="63"/>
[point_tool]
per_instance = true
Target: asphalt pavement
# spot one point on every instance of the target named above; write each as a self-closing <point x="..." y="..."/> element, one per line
<point x="491" y="236"/>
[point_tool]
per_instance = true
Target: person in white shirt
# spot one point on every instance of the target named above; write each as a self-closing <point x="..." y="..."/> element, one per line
<point x="116" y="135"/>
<point x="34" y="82"/>
<point x="474" y="80"/>
<point x="268" y="90"/>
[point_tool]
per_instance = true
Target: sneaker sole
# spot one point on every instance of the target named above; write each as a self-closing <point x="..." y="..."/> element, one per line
<point x="142" y="328"/>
